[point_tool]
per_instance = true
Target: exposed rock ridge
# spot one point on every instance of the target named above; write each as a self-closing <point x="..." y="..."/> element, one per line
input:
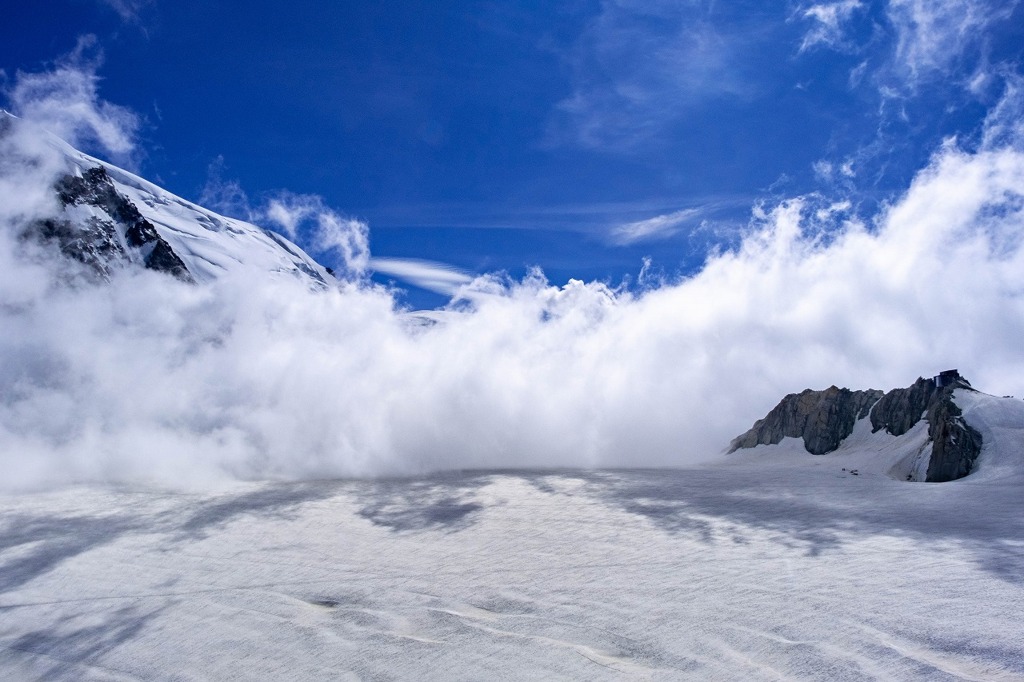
<point x="955" y="443"/>
<point x="901" y="408"/>
<point x="823" y="419"/>
<point x="102" y="243"/>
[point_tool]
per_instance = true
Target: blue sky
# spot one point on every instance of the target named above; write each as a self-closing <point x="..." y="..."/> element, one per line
<point x="580" y="137"/>
<point x="804" y="195"/>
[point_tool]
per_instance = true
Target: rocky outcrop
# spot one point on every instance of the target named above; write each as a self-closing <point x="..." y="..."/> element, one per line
<point x="901" y="408"/>
<point x="823" y="419"/>
<point x="104" y="242"/>
<point x="955" y="444"/>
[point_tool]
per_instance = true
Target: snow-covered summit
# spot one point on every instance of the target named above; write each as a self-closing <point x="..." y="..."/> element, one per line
<point x="105" y="209"/>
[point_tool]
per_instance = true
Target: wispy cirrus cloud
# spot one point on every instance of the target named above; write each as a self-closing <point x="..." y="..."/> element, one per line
<point x="934" y="38"/>
<point x="1004" y="124"/>
<point x="430" y="275"/>
<point x="923" y="40"/>
<point x="828" y="23"/>
<point x="637" y="67"/>
<point x="223" y="194"/>
<point x="915" y="59"/>
<point x="128" y="10"/>
<point x="649" y="229"/>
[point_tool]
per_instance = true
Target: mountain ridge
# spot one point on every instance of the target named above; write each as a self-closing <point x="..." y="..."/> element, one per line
<point x="824" y="419"/>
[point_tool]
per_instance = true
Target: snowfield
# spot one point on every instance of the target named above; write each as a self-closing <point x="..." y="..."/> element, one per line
<point x="770" y="565"/>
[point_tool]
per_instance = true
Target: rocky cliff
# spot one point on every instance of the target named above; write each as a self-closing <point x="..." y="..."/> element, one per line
<point x="955" y="444"/>
<point x="823" y="419"/>
<point x="109" y="232"/>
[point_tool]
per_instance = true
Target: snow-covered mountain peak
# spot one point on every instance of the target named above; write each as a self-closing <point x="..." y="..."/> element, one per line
<point x="109" y="215"/>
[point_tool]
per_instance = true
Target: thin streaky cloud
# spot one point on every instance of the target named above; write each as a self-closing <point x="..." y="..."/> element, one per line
<point x="1004" y="124"/>
<point x="570" y="217"/>
<point x="128" y="10"/>
<point x="658" y="227"/>
<point x="440" y="278"/>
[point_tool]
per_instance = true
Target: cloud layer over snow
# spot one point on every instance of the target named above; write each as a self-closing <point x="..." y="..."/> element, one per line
<point x="148" y="379"/>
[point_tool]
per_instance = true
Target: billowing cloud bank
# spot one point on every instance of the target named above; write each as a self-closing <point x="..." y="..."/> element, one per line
<point x="146" y="379"/>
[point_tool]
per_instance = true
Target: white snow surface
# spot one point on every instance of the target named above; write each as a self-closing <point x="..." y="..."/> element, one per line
<point x="771" y="565"/>
<point x="211" y="245"/>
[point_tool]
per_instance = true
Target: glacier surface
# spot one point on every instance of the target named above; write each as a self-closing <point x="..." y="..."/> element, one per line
<point x="769" y="564"/>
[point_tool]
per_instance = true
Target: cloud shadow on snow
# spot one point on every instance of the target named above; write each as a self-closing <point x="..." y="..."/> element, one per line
<point x="818" y="514"/>
<point x="441" y="502"/>
<point x="53" y="540"/>
<point x="272" y="500"/>
<point x="74" y="650"/>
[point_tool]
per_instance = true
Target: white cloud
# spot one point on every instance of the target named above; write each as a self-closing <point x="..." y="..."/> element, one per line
<point x="919" y="43"/>
<point x="658" y="227"/>
<point x="823" y="169"/>
<point x="303" y="218"/>
<point x="429" y="275"/>
<point x="833" y="173"/>
<point x="148" y="379"/>
<point x="828" y="23"/>
<point x="322" y="227"/>
<point x="828" y="213"/>
<point x="944" y="41"/>
<point x="66" y="102"/>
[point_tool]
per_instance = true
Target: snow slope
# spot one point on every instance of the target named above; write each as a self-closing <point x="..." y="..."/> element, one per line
<point x="768" y="566"/>
<point x="1001" y="423"/>
<point x="210" y="245"/>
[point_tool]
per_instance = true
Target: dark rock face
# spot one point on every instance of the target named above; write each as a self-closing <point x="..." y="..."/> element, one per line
<point x="94" y="242"/>
<point x="955" y="444"/>
<point x="901" y="408"/>
<point x="97" y="242"/>
<point x="822" y="418"/>
<point x="825" y="418"/>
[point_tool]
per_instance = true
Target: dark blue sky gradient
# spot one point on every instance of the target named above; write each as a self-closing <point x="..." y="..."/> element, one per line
<point x="496" y="136"/>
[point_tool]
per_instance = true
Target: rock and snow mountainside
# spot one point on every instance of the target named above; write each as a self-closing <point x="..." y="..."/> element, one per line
<point x="923" y="428"/>
<point x="110" y="218"/>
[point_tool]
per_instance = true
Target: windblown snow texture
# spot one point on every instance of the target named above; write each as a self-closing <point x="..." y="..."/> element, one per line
<point x="770" y="565"/>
